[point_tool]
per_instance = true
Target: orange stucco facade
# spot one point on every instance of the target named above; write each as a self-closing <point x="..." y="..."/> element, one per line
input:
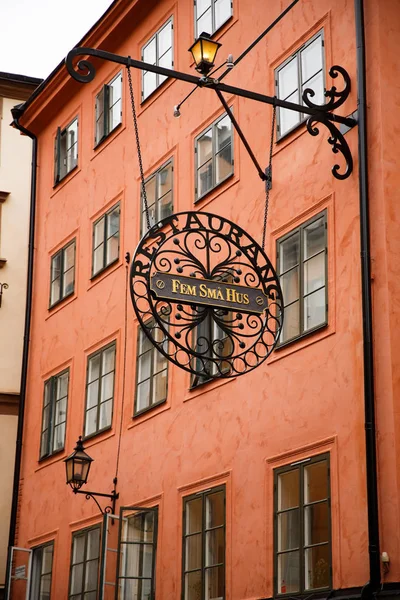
<point x="308" y="398"/>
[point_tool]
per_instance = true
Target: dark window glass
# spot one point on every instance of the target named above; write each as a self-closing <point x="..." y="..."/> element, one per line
<point x="83" y="582"/>
<point x="106" y="240"/>
<point x="203" y="553"/>
<point x="157" y="51"/>
<point x="62" y="275"/>
<point x="151" y="372"/>
<point x="211" y="14"/>
<point x="137" y="558"/>
<point x="302" y="527"/>
<point x="159" y="195"/>
<point x="210" y="335"/>
<point x="214" y="156"/>
<point x="66" y="150"/>
<point x="108" y="108"/>
<point x="54" y="415"/>
<point x="304" y="69"/>
<point x="42" y="565"/>
<point x="100" y="390"/>
<point x="302" y="273"/>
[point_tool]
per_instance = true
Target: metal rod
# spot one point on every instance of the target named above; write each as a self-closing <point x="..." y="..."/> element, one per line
<point x="261" y="173"/>
<point x="112" y="495"/>
<point x="260" y="37"/>
<point x="199" y="81"/>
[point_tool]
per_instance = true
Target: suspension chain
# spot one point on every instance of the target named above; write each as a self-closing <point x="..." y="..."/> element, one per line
<point x="268" y="183"/>
<point x="139" y="153"/>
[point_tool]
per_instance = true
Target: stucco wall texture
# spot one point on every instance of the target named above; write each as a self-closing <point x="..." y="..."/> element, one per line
<point x="308" y="398"/>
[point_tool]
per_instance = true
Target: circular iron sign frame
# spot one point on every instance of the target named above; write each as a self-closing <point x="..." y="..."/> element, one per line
<point x="206" y="295"/>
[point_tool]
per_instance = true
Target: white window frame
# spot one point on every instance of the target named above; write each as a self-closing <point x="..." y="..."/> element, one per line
<point x="107" y="130"/>
<point x="213" y="26"/>
<point x="64" y="160"/>
<point x="159" y="78"/>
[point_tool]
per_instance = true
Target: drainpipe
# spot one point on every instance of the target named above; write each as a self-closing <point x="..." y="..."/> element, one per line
<point x="16" y="113"/>
<point x="369" y="395"/>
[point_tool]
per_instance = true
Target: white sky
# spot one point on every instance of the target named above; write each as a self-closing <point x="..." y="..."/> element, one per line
<point x="35" y="35"/>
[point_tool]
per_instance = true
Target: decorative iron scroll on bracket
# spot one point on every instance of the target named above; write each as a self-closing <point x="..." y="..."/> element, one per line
<point x="3" y="286"/>
<point x="84" y="71"/>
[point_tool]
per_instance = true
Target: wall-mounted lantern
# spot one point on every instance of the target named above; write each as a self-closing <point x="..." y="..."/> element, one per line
<point x="204" y="51"/>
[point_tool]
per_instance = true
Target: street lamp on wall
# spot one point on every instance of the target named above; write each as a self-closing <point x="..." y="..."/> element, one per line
<point x="77" y="466"/>
<point x="204" y="51"/>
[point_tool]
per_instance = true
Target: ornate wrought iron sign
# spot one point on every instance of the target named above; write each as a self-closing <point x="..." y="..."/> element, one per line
<point x="206" y="295"/>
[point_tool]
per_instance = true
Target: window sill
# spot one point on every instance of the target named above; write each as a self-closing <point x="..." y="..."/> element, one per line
<point x="311" y="337"/>
<point x="107" y="137"/>
<point x="206" y="386"/>
<point x="217" y="190"/>
<point x="148" y="408"/>
<point x="104" y="271"/>
<point x="106" y="141"/>
<point x="149" y="413"/>
<point x="86" y="438"/>
<point x="66" y="179"/>
<point x="47" y="461"/>
<point x="155" y="94"/>
<point x="317" y="594"/>
<point x="2" y="262"/>
<point x="49" y="456"/>
<point x="54" y="308"/>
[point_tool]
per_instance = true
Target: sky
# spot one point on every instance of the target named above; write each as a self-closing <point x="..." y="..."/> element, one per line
<point x="35" y="35"/>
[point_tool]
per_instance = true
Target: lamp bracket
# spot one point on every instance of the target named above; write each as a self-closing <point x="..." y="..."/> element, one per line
<point x="113" y="496"/>
<point x="84" y="71"/>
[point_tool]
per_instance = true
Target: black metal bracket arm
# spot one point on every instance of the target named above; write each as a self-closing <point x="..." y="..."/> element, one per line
<point x="84" y="72"/>
<point x="3" y="286"/>
<point x="113" y="497"/>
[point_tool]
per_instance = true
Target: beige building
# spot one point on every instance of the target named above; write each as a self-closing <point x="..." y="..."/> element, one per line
<point x="15" y="171"/>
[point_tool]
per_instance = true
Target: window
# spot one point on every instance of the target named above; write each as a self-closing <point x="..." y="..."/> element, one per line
<point x="304" y="69"/>
<point x="62" y="273"/>
<point x="210" y="334"/>
<point x="42" y="564"/>
<point x="65" y="150"/>
<point x="159" y="195"/>
<point x="157" y="51"/>
<point x="108" y="108"/>
<point x="83" y="583"/>
<point x="214" y="156"/>
<point x="302" y="526"/>
<point x="151" y="372"/>
<point x="211" y="14"/>
<point x="100" y="390"/>
<point x="203" y="553"/>
<point x="106" y="240"/>
<point x="54" y="415"/>
<point x="138" y="545"/>
<point x="301" y="257"/>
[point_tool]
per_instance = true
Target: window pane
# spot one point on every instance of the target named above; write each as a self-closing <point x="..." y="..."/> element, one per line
<point x="55" y="291"/>
<point x="105" y="414"/>
<point x="98" y="259"/>
<point x="112" y="249"/>
<point x="149" y="83"/>
<point x="94" y="367"/>
<point x="165" y="207"/>
<point x="204" y="147"/>
<point x="69" y="257"/>
<point x="164" y="180"/>
<point x="290" y="286"/>
<point x="164" y="39"/>
<point x="289" y="252"/>
<point x="159" y="387"/>
<point x="194" y="515"/>
<point x="78" y="553"/>
<point x="316" y="84"/>
<point x="113" y="223"/>
<point x="224" y="164"/>
<point x="98" y="232"/>
<point x="60" y="411"/>
<point x="144" y="343"/>
<point x="288" y="81"/>
<point x="144" y="367"/>
<point x="288" y="573"/>
<point x="62" y="385"/>
<point x="193" y="586"/>
<point x="314" y="309"/>
<point x="165" y="61"/>
<point x="224" y="132"/>
<point x="289" y="530"/>
<point x="46" y="415"/>
<point x="140" y="527"/>
<point x="149" y="52"/>
<point x="93" y="544"/>
<point x="56" y="266"/>
<point x="59" y="437"/>
<point x="45" y="584"/>
<point x="288" y="489"/>
<point x="291" y="322"/>
<point x="91" y="575"/>
<point x="317" y="567"/>
<point x="108" y="360"/>
<point x="289" y="118"/>
<point x="316" y="523"/>
<point x="107" y="387"/>
<point x="143" y="396"/>
<point x="44" y="443"/>
<point x="76" y="579"/>
<point x="91" y="421"/>
<point x="47" y="559"/>
<point x="222" y="12"/>
<point x="316" y="482"/>
<point x="99" y="115"/>
<point x="314" y="273"/>
<point x="311" y="59"/>
<point x="215" y="583"/>
<point x="314" y="238"/>
<point x="92" y="396"/>
<point x="205" y="178"/>
<point x="193" y="552"/>
<point x="114" y="90"/>
<point x="201" y="7"/>
<point x="204" y="23"/>
<point x="215" y="547"/>
<point x="215" y="509"/>
<point x="68" y="282"/>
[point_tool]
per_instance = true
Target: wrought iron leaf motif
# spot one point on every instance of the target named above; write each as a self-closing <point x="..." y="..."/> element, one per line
<point x="205" y="339"/>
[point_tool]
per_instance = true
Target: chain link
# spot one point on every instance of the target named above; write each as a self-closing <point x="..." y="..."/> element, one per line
<point x="144" y="195"/>
<point x="268" y="182"/>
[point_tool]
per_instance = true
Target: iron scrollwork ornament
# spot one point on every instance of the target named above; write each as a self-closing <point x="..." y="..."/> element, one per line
<point x="206" y="295"/>
<point x="335" y="99"/>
